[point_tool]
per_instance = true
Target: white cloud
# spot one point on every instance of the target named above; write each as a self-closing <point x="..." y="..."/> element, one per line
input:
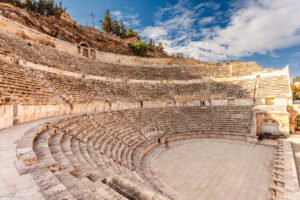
<point x="179" y="23"/>
<point x="117" y="14"/>
<point x="128" y="19"/>
<point x="155" y="32"/>
<point x="206" y="20"/>
<point x="255" y="26"/>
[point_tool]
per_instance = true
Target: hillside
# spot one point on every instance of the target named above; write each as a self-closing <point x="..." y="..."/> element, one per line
<point x="63" y="30"/>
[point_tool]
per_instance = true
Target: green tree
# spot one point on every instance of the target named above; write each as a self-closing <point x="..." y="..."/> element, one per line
<point x="122" y="30"/>
<point x="139" y="48"/>
<point x="150" y="45"/>
<point x="160" y="47"/>
<point x="115" y="28"/>
<point x="130" y="33"/>
<point x="41" y="6"/>
<point x="28" y="5"/>
<point x="50" y="8"/>
<point x="106" y="23"/>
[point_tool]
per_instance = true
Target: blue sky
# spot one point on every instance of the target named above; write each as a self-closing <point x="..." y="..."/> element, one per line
<point x="265" y="31"/>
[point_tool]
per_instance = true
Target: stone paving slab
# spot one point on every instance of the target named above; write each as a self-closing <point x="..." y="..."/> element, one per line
<point x="212" y="169"/>
<point x="12" y="184"/>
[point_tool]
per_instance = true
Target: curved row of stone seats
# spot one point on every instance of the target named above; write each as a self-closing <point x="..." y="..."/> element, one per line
<point x="25" y="85"/>
<point x="42" y="151"/>
<point x="244" y="69"/>
<point x="169" y="120"/>
<point x="277" y="84"/>
<point x="198" y="119"/>
<point x="65" y="143"/>
<point x="233" y="119"/>
<point x="209" y="70"/>
<point x="22" y="85"/>
<point x="234" y="89"/>
<point x="141" y="120"/>
<point x="79" y="166"/>
<point x="190" y="89"/>
<point x="46" y="55"/>
<point x="90" y="156"/>
<point x="49" y="56"/>
<point x="246" y="88"/>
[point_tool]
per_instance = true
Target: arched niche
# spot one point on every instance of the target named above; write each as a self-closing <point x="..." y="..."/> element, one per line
<point x="84" y="48"/>
<point x="269" y="127"/>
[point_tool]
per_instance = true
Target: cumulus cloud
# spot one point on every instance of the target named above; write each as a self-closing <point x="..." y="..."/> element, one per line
<point x="128" y="19"/>
<point x="255" y="26"/>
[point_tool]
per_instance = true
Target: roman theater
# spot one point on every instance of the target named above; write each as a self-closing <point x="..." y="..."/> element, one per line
<point x="80" y="123"/>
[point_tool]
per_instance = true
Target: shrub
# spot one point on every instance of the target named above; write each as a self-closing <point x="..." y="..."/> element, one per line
<point x="139" y="48"/>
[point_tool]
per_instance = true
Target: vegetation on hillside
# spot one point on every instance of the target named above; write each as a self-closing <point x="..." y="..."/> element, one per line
<point x="139" y="48"/>
<point x="296" y="92"/>
<point x="38" y="10"/>
<point x="43" y="7"/>
<point x="116" y="28"/>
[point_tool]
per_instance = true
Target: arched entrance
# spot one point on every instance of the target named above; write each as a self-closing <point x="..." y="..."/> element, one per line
<point x="85" y="49"/>
<point x="269" y="127"/>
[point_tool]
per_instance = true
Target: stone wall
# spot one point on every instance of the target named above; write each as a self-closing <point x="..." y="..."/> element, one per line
<point x="17" y="29"/>
<point x="25" y="113"/>
<point x="282" y="118"/>
<point x="6" y="115"/>
<point x="294" y="111"/>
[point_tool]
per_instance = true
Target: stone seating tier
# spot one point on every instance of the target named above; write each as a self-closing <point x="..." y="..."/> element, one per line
<point x="51" y="57"/>
<point x="94" y="152"/>
<point x="279" y="85"/>
<point x="32" y="86"/>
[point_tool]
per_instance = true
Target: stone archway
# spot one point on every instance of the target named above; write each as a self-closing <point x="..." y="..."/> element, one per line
<point x="269" y="127"/>
<point x="84" y="48"/>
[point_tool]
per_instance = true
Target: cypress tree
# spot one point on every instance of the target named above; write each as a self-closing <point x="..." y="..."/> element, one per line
<point x="106" y="23"/>
<point x="122" y="30"/>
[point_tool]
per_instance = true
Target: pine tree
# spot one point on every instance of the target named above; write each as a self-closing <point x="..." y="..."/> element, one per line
<point x="115" y="28"/>
<point x="122" y="30"/>
<point x="50" y="7"/>
<point x="29" y="5"/>
<point x="41" y="7"/>
<point x="150" y="42"/>
<point x="107" y="23"/>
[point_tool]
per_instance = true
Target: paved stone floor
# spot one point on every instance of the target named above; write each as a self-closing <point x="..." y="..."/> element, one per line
<point x="12" y="185"/>
<point x="211" y="169"/>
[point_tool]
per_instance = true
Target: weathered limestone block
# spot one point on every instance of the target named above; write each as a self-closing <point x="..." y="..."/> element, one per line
<point x="137" y="191"/>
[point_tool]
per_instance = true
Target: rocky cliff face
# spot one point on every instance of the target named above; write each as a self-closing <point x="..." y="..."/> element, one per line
<point x="63" y="30"/>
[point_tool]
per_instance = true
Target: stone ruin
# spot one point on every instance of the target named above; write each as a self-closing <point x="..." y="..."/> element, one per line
<point x="99" y="120"/>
